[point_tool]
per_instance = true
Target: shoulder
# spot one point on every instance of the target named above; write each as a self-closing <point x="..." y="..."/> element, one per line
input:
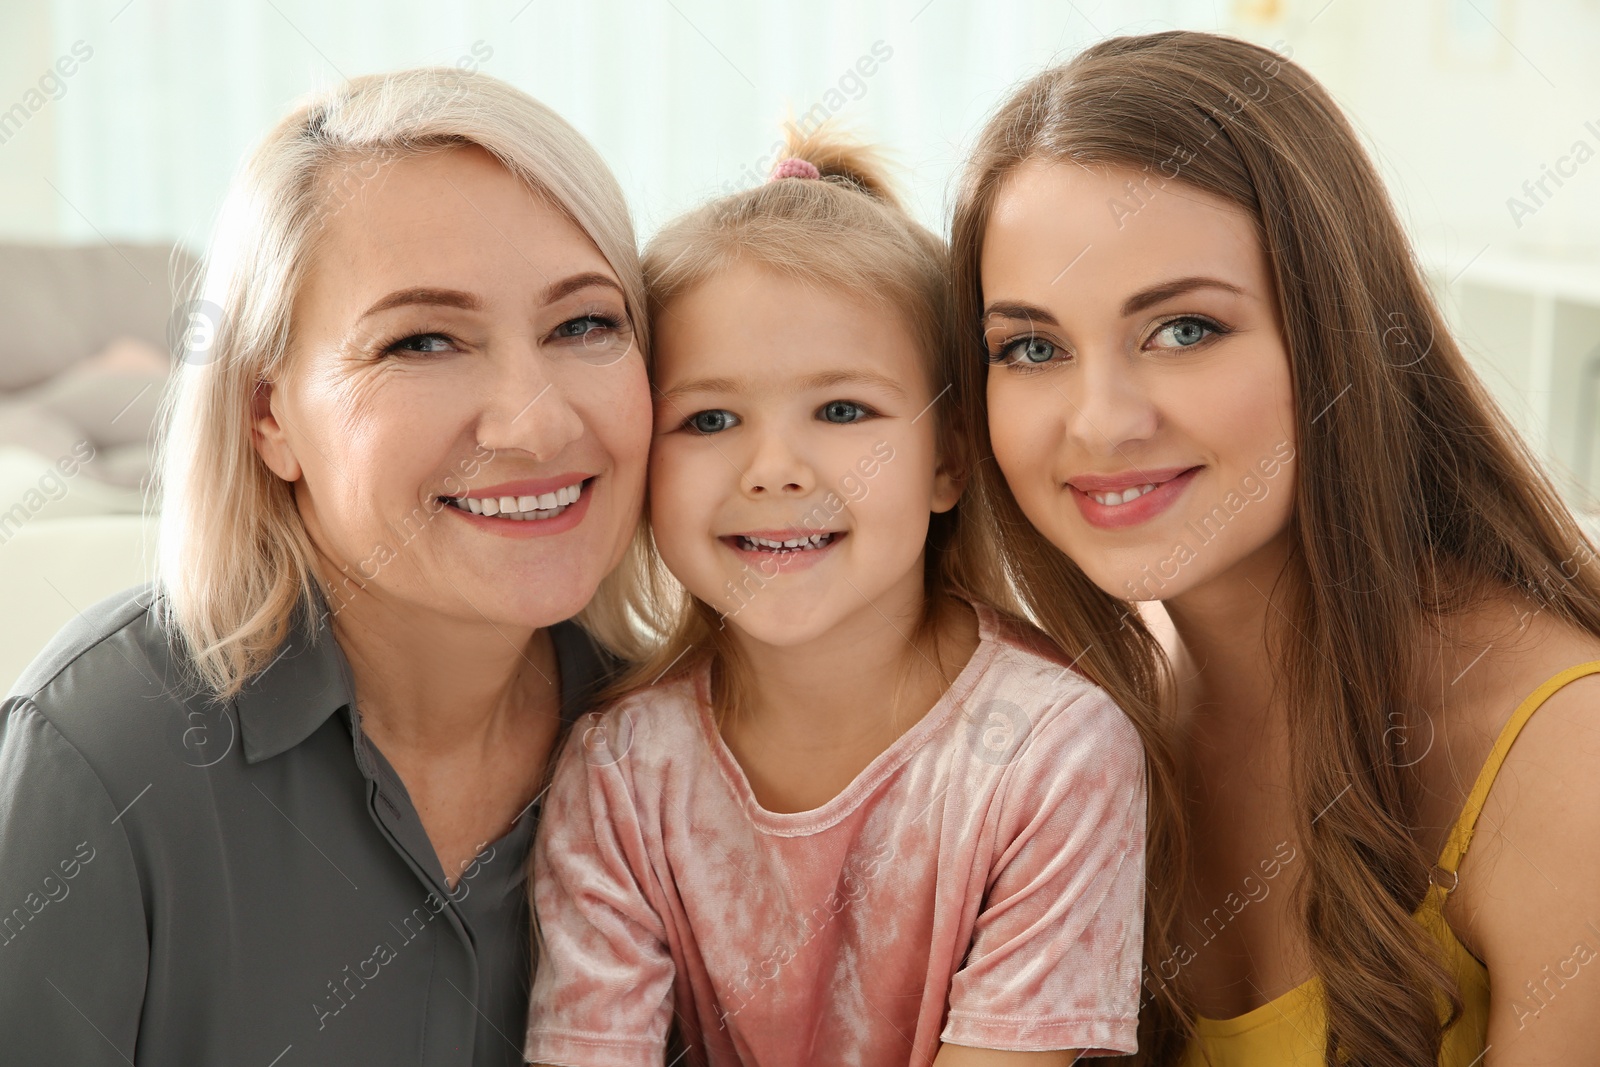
<point x="1032" y="709"/>
<point x="1033" y="673"/>
<point x="644" y="732"/>
<point x="98" y="634"/>
<point x="105" y="676"/>
<point x="1531" y="872"/>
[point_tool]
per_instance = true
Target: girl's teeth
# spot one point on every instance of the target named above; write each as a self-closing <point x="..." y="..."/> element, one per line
<point x="521" y="508"/>
<point x="752" y="543"/>
<point x="1114" y="498"/>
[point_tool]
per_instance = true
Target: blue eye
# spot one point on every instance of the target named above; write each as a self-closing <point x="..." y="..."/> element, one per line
<point x="1185" y="333"/>
<point x="1026" y="352"/>
<point x="843" y="411"/>
<point x="585" y="324"/>
<point x="714" y="421"/>
<point x="421" y="343"/>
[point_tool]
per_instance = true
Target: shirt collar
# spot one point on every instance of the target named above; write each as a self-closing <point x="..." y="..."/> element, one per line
<point x="308" y="681"/>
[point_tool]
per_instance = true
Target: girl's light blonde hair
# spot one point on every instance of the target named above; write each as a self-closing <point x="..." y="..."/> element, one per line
<point x="233" y="557"/>
<point x="845" y="232"/>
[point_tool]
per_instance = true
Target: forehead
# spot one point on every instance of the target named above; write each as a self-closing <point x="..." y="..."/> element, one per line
<point x="751" y="324"/>
<point x="1061" y="232"/>
<point x="454" y="218"/>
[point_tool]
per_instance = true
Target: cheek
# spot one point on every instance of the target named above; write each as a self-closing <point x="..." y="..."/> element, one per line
<point x="679" y="502"/>
<point x="1024" y="430"/>
<point x="614" y="403"/>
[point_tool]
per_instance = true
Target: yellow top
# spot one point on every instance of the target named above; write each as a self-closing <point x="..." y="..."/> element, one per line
<point x="1291" y="1030"/>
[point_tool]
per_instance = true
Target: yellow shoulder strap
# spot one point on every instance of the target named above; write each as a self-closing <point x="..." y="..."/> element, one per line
<point x="1455" y="846"/>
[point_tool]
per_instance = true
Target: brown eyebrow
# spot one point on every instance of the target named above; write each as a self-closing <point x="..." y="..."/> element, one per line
<point x="456" y="298"/>
<point x="1154" y="295"/>
<point x="567" y="286"/>
<point x="824" y="380"/>
<point x="1022" y="312"/>
<point x="450" y="298"/>
<point x="1136" y="303"/>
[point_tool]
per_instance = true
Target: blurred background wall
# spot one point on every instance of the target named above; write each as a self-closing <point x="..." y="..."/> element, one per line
<point x="121" y="122"/>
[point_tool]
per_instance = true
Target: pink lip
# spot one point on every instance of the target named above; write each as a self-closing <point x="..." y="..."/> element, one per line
<point x="528" y="528"/>
<point x="1171" y="482"/>
<point x="529" y="486"/>
<point x="769" y="561"/>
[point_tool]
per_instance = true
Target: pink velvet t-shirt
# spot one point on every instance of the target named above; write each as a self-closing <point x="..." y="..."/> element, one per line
<point x="980" y="883"/>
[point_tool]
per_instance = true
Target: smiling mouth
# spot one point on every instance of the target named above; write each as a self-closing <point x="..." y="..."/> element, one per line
<point x="787" y="546"/>
<point x="538" y="508"/>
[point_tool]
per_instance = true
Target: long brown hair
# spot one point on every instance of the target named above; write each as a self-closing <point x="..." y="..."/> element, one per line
<point x="1407" y="476"/>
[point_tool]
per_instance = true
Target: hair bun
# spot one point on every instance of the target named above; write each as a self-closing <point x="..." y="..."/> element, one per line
<point x="795" y="167"/>
<point x="833" y="155"/>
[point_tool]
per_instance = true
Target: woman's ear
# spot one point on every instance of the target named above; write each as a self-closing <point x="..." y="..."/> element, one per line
<point x="268" y="435"/>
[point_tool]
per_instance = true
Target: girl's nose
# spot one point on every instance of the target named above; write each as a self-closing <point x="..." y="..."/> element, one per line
<point x="777" y="467"/>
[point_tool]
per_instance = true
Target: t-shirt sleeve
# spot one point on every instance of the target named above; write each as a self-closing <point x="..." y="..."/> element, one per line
<point x="1056" y="951"/>
<point x="603" y="983"/>
<point x="74" y="950"/>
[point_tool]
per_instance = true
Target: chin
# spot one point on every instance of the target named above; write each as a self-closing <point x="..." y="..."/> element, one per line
<point x="780" y="623"/>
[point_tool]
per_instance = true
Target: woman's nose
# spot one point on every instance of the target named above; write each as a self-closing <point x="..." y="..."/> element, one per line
<point x="527" y="409"/>
<point x="1107" y="406"/>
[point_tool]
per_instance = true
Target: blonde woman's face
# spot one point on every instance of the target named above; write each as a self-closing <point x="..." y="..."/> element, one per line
<point x="1140" y="400"/>
<point x="464" y="412"/>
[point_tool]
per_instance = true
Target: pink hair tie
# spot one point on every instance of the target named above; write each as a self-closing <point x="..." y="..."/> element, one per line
<point x="795" y="167"/>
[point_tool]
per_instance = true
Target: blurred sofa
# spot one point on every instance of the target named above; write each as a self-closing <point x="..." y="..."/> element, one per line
<point x="84" y="360"/>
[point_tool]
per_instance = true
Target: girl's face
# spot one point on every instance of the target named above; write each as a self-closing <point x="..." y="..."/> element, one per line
<point x="1140" y="401"/>
<point x="794" y="465"/>
<point x="460" y="350"/>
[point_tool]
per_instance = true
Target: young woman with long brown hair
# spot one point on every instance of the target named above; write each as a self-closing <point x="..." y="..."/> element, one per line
<point x="1212" y="375"/>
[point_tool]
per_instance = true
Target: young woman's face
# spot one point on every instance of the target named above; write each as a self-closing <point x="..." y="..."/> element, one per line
<point x="791" y="415"/>
<point x="464" y="412"/>
<point x="1140" y="401"/>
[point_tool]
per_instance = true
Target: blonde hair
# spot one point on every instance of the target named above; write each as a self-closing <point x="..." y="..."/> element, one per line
<point x="233" y="557"/>
<point x="845" y="232"/>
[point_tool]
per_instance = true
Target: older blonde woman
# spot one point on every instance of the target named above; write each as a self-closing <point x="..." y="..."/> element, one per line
<point x="274" y="808"/>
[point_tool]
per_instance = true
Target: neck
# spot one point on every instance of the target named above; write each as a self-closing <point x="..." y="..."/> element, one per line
<point x="435" y="683"/>
<point x="848" y="681"/>
<point x="1223" y="660"/>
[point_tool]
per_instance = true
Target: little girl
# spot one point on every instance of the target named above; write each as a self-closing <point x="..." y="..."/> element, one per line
<point x="855" y="812"/>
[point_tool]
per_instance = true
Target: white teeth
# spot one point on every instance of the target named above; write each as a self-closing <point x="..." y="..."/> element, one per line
<point x="521" y="508"/>
<point x="804" y="543"/>
<point x="1114" y="498"/>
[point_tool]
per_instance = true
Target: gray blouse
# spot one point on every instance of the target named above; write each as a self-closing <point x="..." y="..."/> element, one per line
<point x="186" y="883"/>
